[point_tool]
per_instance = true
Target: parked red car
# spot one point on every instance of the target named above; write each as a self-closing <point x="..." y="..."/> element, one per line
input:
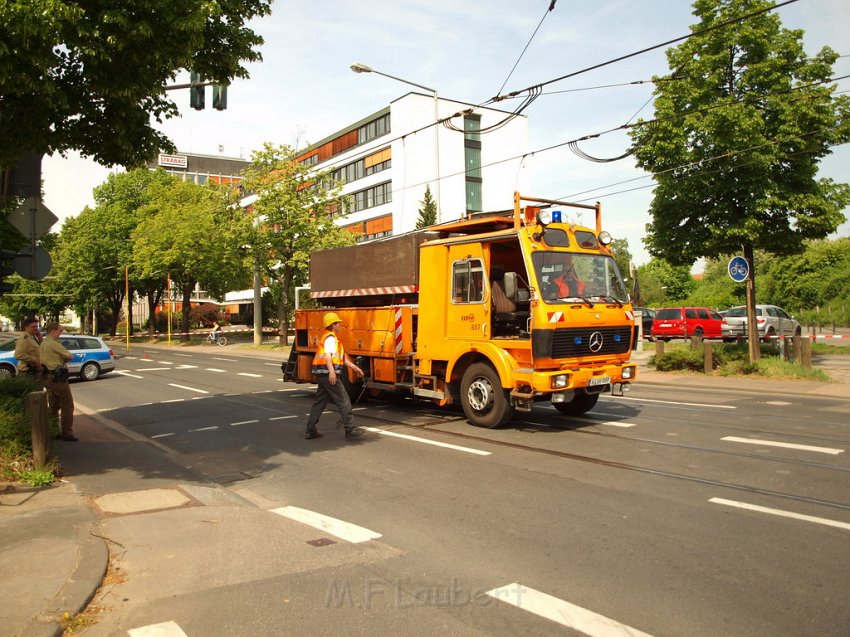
<point x="685" y="322"/>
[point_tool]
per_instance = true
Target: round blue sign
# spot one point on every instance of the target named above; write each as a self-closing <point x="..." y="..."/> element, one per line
<point x="739" y="269"/>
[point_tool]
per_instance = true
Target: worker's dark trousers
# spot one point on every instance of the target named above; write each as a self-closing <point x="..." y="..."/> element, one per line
<point x="335" y="393"/>
<point x="61" y="401"/>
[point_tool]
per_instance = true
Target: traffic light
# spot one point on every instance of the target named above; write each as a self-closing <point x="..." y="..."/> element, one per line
<point x="219" y="97"/>
<point x="196" y="93"/>
<point x="6" y="269"/>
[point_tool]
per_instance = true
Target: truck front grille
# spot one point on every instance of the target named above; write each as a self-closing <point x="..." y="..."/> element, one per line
<point x="585" y="341"/>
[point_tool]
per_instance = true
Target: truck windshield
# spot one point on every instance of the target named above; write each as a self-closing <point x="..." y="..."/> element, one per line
<point x="567" y="277"/>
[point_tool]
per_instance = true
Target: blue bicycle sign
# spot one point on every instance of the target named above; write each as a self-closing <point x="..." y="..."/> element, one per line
<point x="739" y="269"/>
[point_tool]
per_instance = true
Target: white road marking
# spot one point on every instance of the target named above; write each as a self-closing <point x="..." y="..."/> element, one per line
<point x="779" y="403"/>
<point x="183" y="355"/>
<point x="786" y="445"/>
<point x="272" y="364"/>
<point x="243" y="422"/>
<point x="173" y="400"/>
<point x="282" y="417"/>
<point x="249" y="375"/>
<point x="140" y="405"/>
<point x="186" y="367"/>
<point x="291" y="389"/>
<point x="152" y="369"/>
<point x="214" y="369"/>
<point x="162" y="435"/>
<point x="436" y="443"/>
<point x="359" y="408"/>
<point x="780" y="512"/>
<point x="165" y="629"/>
<point x="262" y="391"/>
<point x="338" y="528"/>
<point x="229" y="360"/>
<point x="205" y="428"/>
<point x="200" y="391"/>
<point x="165" y="362"/>
<point x="200" y="397"/>
<point x="125" y="373"/>
<point x="671" y="402"/>
<point x="609" y="423"/>
<point x="561" y="612"/>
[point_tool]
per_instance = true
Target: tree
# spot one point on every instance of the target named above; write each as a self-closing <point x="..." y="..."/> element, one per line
<point x="90" y="76"/>
<point x="428" y="211"/>
<point x="741" y="124"/>
<point x="662" y="283"/>
<point x="194" y="234"/>
<point x="94" y="248"/>
<point x="295" y="209"/>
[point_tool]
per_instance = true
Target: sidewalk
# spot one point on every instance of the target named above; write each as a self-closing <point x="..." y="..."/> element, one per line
<point x="125" y="493"/>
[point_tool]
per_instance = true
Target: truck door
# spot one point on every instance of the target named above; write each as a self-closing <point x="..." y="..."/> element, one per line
<point x="468" y="314"/>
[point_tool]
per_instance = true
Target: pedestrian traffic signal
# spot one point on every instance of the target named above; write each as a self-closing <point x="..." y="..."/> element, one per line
<point x="219" y="97"/>
<point x="6" y="269"/>
<point x="196" y="93"/>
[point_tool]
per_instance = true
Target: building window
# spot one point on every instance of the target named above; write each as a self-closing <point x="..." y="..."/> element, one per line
<point x="472" y="162"/>
<point x="373" y="129"/>
<point x="371" y="197"/>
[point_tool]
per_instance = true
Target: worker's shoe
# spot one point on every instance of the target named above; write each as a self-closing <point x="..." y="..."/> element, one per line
<point x="312" y="434"/>
<point x="354" y="432"/>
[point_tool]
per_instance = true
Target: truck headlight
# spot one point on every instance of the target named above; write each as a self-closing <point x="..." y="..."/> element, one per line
<point x="560" y="381"/>
<point x="628" y="372"/>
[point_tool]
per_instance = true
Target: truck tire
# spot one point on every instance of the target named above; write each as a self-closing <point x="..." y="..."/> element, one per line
<point x="484" y="401"/>
<point x="583" y="402"/>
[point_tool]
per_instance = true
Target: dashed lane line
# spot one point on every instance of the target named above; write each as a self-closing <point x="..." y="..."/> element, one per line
<point x="781" y="513"/>
<point x="673" y="402"/>
<point x="243" y="422"/>
<point x="249" y="375"/>
<point x="163" y="629"/>
<point x="126" y="373"/>
<point x="436" y="443"/>
<point x="228" y="360"/>
<point x="784" y="445"/>
<point x="282" y="417"/>
<point x="562" y="612"/>
<point x="204" y="428"/>
<point x="215" y="369"/>
<point x="338" y="528"/>
<point x="199" y="391"/>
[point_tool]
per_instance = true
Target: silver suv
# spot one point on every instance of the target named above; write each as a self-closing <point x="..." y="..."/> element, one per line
<point x="772" y="322"/>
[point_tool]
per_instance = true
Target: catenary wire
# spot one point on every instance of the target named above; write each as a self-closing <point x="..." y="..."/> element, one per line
<point x="548" y="11"/>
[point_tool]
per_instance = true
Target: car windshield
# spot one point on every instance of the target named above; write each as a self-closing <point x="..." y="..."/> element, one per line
<point x="569" y="277"/>
<point x="668" y="314"/>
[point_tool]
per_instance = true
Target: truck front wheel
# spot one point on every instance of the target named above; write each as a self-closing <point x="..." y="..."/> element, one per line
<point x="484" y="401"/>
<point x="581" y="403"/>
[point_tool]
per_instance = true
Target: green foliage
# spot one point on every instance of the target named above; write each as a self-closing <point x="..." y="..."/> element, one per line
<point x="428" y="210"/>
<point x="741" y="123"/>
<point x="663" y="284"/>
<point x="15" y="434"/>
<point x="89" y="76"/>
<point x="679" y="359"/>
<point x="298" y="207"/>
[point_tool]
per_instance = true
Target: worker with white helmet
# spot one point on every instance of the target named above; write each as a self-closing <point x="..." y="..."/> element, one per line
<point x="328" y="364"/>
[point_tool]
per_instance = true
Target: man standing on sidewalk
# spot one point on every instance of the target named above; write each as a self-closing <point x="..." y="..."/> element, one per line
<point x="328" y="364"/>
<point x="55" y="358"/>
<point x="28" y="352"/>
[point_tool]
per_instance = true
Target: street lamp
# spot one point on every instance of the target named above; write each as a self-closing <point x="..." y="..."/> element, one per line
<point x="357" y="67"/>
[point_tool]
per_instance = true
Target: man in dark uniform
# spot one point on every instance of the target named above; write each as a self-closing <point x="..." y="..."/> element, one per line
<point x="28" y="352"/>
<point x="55" y="358"/>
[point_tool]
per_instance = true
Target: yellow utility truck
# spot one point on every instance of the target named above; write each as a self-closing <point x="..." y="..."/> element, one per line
<point x="496" y="311"/>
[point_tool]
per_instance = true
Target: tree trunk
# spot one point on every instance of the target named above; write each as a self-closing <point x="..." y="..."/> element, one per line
<point x="184" y="311"/>
<point x="752" y="325"/>
<point x="117" y="301"/>
<point x="154" y="298"/>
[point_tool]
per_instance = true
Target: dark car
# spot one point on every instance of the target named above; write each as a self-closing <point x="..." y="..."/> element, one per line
<point x="647" y="315"/>
<point x="687" y="322"/>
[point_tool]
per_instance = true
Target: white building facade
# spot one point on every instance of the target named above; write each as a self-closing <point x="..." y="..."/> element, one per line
<point x="387" y="160"/>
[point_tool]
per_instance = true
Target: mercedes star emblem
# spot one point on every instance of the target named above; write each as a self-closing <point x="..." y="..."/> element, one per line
<point x="595" y="343"/>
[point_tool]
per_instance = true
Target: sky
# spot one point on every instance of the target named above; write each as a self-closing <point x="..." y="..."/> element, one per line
<point x="304" y="90"/>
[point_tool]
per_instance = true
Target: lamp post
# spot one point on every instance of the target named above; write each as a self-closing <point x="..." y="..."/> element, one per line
<point x="357" y="67"/>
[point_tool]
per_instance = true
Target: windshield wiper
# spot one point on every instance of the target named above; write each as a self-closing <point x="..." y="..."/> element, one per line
<point x="608" y="297"/>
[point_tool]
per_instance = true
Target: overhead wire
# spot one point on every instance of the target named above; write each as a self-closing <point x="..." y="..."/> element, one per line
<point x="548" y="11"/>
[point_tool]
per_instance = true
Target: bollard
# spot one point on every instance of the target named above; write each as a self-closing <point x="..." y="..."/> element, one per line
<point x="806" y="352"/>
<point x="798" y="348"/>
<point x="37" y="409"/>
<point x="707" y="358"/>
<point x="659" y="349"/>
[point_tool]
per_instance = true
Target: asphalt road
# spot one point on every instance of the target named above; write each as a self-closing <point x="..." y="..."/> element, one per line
<point x="701" y="514"/>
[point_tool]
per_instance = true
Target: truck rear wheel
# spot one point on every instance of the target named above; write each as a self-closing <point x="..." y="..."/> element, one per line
<point x="581" y="403"/>
<point x="484" y="401"/>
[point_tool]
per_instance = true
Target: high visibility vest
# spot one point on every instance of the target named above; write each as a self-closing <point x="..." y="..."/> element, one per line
<point x="319" y="365"/>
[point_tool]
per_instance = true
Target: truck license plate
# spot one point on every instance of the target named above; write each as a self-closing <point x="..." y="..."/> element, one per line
<point x="599" y="380"/>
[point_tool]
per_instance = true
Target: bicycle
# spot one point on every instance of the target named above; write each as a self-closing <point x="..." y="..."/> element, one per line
<point x="220" y="340"/>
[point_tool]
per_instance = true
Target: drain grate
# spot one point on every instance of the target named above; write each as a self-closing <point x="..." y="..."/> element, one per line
<point x="322" y="541"/>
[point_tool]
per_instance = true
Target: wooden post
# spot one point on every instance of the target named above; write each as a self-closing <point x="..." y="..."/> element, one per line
<point x="708" y="358"/>
<point x="798" y="345"/>
<point x="659" y="349"/>
<point x="37" y="408"/>
<point x="806" y="352"/>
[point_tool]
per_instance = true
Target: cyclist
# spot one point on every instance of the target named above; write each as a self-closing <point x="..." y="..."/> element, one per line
<point x="216" y="330"/>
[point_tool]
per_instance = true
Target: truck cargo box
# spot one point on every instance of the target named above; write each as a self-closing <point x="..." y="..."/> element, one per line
<point x="381" y="267"/>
